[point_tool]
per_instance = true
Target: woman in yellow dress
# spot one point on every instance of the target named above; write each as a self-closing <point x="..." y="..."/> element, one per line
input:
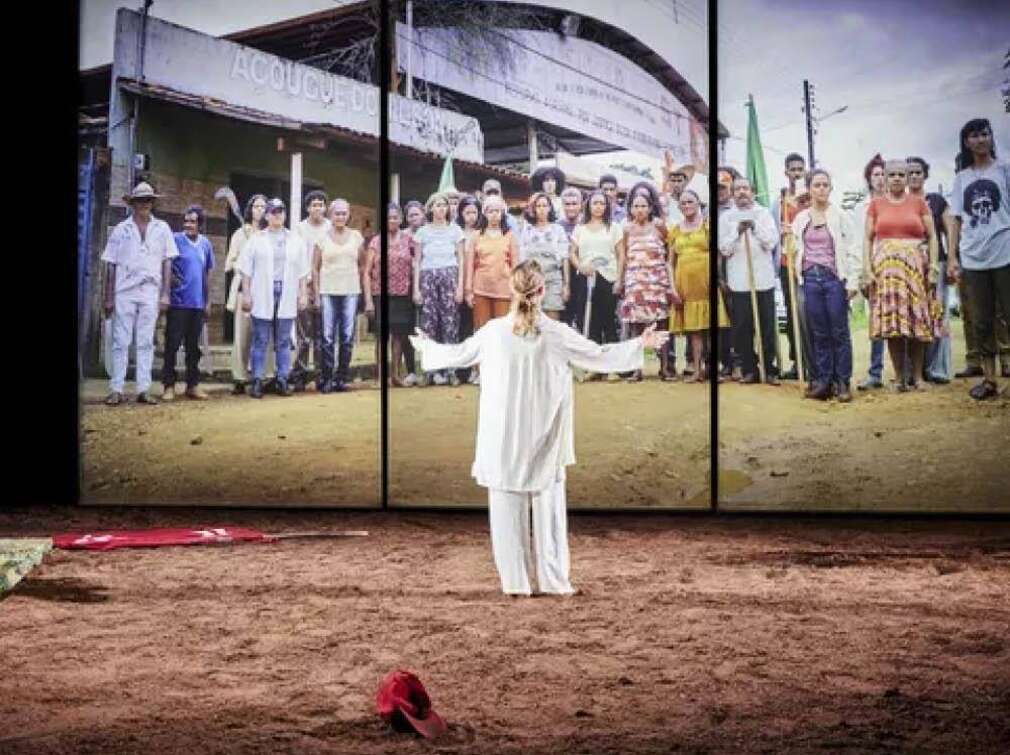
<point x="688" y="241"/>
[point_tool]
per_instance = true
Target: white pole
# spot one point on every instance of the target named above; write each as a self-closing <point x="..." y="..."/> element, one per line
<point x="531" y="136"/>
<point x="410" y="49"/>
<point x="295" y="208"/>
<point x="394" y="190"/>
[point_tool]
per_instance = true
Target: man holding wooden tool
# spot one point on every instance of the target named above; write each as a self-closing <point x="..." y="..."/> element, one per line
<point x="747" y="239"/>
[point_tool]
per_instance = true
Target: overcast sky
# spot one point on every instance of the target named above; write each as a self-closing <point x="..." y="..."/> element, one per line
<point x="911" y="73"/>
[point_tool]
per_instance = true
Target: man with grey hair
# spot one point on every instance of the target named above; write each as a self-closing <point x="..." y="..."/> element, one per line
<point x="571" y="214"/>
<point x="749" y="230"/>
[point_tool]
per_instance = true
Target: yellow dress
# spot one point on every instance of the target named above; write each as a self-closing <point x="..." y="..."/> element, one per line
<point x="692" y="280"/>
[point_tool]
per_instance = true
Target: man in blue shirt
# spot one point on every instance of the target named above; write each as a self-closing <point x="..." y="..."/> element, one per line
<point x="189" y="305"/>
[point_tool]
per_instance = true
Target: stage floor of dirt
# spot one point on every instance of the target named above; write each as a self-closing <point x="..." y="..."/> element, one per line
<point x="639" y="446"/>
<point x="644" y="445"/>
<point x="690" y="635"/>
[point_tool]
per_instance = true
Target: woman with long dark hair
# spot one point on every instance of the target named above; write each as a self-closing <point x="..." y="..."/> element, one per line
<point x="255" y="221"/>
<point x="541" y="238"/>
<point x="644" y="270"/>
<point x="596" y="244"/>
<point x="438" y="277"/>
<point x="980" y="249"/>
<point x="399" y="274"/>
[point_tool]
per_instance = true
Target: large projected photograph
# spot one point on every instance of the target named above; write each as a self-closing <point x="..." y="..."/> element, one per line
<point x="864" y="249"/>
<point x="586" y="152"/>
<point x="227" y="196"/>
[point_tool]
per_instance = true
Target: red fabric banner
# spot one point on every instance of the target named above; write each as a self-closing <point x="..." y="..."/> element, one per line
<point x="110" y="539"/>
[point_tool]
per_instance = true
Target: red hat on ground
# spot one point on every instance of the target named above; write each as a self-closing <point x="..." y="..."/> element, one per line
<point x="404" y="703"/>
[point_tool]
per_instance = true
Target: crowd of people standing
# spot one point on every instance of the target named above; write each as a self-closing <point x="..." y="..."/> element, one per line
<point x="610" y="271"/>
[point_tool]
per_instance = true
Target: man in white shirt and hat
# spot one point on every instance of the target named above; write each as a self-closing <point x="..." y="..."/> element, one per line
<point x="138" y="271"/>
<point x="748" y="228"/>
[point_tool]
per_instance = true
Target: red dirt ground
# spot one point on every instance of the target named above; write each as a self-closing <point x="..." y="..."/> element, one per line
<point x="696" y="635"/>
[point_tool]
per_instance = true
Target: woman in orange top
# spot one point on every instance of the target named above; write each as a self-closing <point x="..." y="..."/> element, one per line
<point x="899" y="274"/>
<point x="490" y="254"/>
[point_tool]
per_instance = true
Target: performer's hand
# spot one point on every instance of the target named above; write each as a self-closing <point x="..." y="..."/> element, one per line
<point x="953" y="270"/>
<point x="109" y="307"/>
<point x="419" y="340"/>
<point x="164" y="303"/>
<point x="369" y="307"/>
<point x="469" y="299"/>
<point x="934" y="275"/>
<point x="247" y="303"/>
<point x="565" y="294"/>
<point x="618" y="288"/>
<point x="418" y="299"/>
<point x="745" y="225"/>
<point x="652" y="338"/>
<point x="459" y="295"/>
<point x="851" y="294"/>
<point x="586" y="269"/>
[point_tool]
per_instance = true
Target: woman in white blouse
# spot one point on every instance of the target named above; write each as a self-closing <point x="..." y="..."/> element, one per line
<point x="522" y="453"/>
<point x="255" y="221"/>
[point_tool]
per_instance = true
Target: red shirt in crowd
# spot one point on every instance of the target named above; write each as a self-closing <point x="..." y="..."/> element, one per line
<point x="401" y="260"/>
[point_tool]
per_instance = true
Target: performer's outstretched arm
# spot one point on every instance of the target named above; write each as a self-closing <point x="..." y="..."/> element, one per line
<point x="613" y="357"/>
<point x="442" y="356"/>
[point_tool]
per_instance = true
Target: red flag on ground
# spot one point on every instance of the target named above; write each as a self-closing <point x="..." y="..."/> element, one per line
<point x="108" y="540"/>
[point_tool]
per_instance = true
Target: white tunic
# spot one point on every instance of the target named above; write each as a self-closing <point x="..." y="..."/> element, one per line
<point x="525" y="432"/>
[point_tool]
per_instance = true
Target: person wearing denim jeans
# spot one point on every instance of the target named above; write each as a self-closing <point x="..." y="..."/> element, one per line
<point x="339" y="313"/>
<point x="280" y="329"/>
<point x="828" y="265"/>
<point x="937" y="365"/>
<point x="827" y="311"/>
<point x="336" y="275"/>
<point x="274" y="281"/>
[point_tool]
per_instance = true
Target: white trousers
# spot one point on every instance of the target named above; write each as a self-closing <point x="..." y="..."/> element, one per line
<point x="135" y="316"/>
<point x="528" y="561"/>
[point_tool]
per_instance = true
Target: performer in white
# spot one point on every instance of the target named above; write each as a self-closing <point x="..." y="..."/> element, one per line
<point x="524" y="433"/>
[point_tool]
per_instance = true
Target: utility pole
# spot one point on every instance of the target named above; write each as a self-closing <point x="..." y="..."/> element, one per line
<point x="808" y="92"/>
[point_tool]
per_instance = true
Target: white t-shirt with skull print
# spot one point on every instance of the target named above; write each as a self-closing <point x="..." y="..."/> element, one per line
<point x="981" y="198"/>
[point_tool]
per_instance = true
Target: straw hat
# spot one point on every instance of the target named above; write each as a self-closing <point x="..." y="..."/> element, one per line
<point x="143" y="190"/>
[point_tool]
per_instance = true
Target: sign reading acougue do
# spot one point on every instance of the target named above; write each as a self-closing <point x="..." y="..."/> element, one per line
<point x="198" y="64"/>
